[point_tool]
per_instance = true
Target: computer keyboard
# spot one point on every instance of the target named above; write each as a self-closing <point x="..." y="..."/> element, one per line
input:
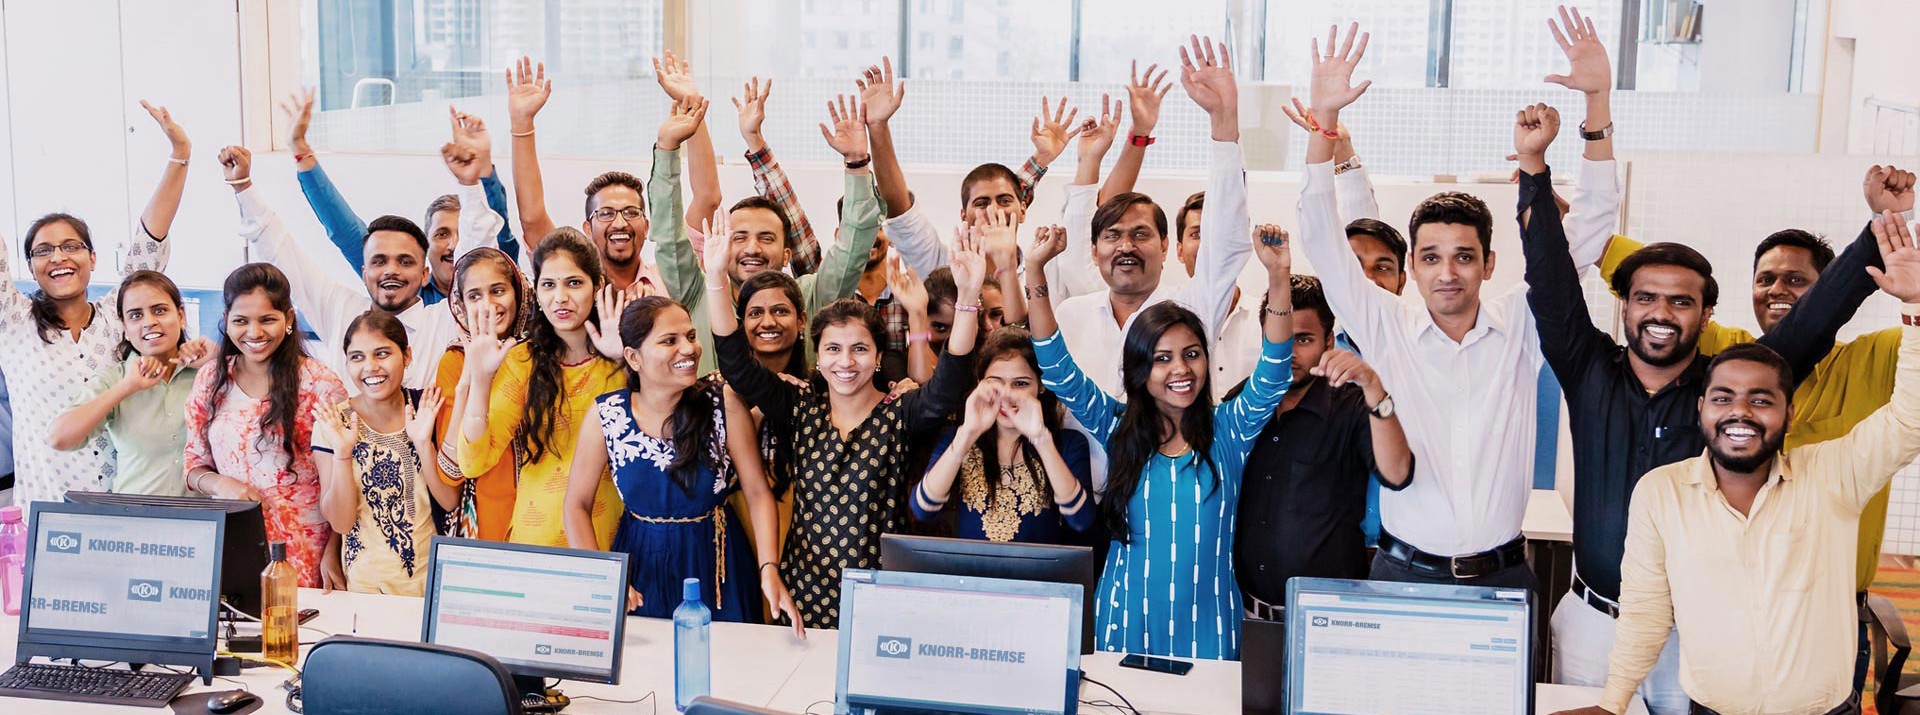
<point x="92" y="685"/>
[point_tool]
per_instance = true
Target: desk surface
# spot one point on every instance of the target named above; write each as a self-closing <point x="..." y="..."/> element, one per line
<point x="1547" y="517"/>
<point x="761" y="665"/>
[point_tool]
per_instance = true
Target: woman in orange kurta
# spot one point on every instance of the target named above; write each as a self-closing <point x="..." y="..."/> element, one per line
<point x="487" y="288"/>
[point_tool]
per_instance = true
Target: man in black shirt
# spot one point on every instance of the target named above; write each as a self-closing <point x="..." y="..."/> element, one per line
<point x="1304" y="492"/>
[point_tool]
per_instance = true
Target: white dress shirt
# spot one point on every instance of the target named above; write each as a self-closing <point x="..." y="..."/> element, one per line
<point x="329" y="306"/>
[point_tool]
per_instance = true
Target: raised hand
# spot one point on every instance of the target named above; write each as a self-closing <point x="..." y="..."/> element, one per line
<point x="486" y="350"/>
<point x="468" y="155"/>
<point x="1270" y="244"/>
<point x="1027" y="415"/>
<point x="1097" y="133"/>
<point x="196" y="353"/>
<point x="1206" y="73"/>
<point x="1048" y="242"/>
<point x="1889" y="189"/>
<point x="527" y="91"/>
<point x="1533" y="131"/>
<point x="420" y="421"/>
<point x="1050" y="133"/>
<point x="968" y="263"/>
<point x="1341" y="367"/>
<point x="906" y="287"/>
<point x="719" y="231"/>
<point x="1302" y="116"/>
<point x="983" y="406"/>
<point x="879" y="93"/>
<point x="848" y="135"/>
<point x="753" y="111"/>
<point x="682" y="121"/>
<point x="342" y="427"/>
<point x="236" y="163"/>
<point x="182" y="147"/>
<point x="605" y="336"/>
<point x="675" y="77"/>
<point x="1592" y="73"/>
<point x="1144" y="92"/>
<point x="299" y="110"/>
<point x="1901" y="276"/>
<point x="999" y="237"/>
<point x="1331" y="88"/>
<point x="144" y="372"/>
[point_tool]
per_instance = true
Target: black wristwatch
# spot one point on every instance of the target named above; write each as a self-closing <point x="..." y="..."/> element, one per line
<point x="1384" y="410"/>
<point x="1605" y="132"/>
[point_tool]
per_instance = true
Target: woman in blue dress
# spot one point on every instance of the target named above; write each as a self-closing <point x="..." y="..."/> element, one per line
<point x="1168" y="587"/>
<point x="679" y="445"/>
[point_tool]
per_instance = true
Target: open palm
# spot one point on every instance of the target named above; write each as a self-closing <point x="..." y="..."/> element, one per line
<point x="848" y="135"/>
<point x="1206" y="73"/>
<point x="1901" y="276"/>
<point x="879" y="93"/>
<point x="1331" y="88"/>
<point x="1591" y="71"/>
<point x="527" y="91"/>
<point x="675" y="77"/>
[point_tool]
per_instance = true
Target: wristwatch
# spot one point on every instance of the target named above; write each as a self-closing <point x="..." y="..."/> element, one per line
<point x="1352" y="162"/>
<point x="1606" y="131"/>
<point x="1384" y="410"/>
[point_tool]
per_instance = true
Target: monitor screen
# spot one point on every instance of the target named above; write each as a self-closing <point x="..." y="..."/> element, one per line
<point x="957" y="644"/>
<point x="545" y="612"/>
<point x="123" y="577"/>
<point x="1465" y="654"/>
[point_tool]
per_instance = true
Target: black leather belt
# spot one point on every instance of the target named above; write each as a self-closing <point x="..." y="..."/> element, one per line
<point x="1847" y="708"/>
<point x="1464" y="566"/>
<point x="1597" y="601"/>
<point x="1263" y="610"/>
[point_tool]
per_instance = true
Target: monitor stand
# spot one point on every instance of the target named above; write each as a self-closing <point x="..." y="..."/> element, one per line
<point x="534" y="689"/>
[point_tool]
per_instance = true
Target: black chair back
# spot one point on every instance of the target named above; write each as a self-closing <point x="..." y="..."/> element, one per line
<point x="345" y="675"/>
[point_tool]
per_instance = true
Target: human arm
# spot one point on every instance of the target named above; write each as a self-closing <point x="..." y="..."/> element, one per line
<point x="110" y="387"/>
<point x="1050" y="135"/>
<point x="1806" y="334"/>
<point x="197" y="461"/>
<point x="157" y="218"/>
<point x="676" y="79"/>
<point x="1225" y="235"/>
<point x="770" y="181"/>
<point x="929" y="407"/>
<point x="1646" y="599"/>
<point x="1074" y="273"/>
<point x="1591" y="74"/>
<point x="760" y="387"/>
<point x="1388" y="453"/>
<point x="667" y="228"/>
<point x="583" y="482"/>
<point x="496" y="378"/>
<point x="935" y="491"/>
<point x="1034" y="306"/>
<point x="860" y="212"/>
<point x="336" y="431"/>
<point x="469" y="157"/>
<point x="344" y="228"/>
<point x="326" y="304"/>
<point x="1144" y="93"/>
<point x="881" y="96"/>
<point x="911" y="294"/>
<point x="1568" y="338"/>
<point x="1355" y="186"/>
<point x="1241" y="419"/>
<point x="1069" y="486"/>
<point x="527" y="91"/>
<point x="1364" y="308"/>
<point x="423" y="425"/>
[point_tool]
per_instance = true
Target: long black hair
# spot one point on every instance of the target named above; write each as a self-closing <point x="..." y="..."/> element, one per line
<point x="545" y="386"/>
<point x="155" y="279"/>
<point x="1013" y="343"/>
<point x="1142" y="427"/>
<point x="692" y="420"/>
<point x="46" y="315"/>
<point x="283" y="366"/>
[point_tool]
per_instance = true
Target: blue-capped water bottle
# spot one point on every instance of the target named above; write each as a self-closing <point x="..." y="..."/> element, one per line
<point x="692" y="646"/>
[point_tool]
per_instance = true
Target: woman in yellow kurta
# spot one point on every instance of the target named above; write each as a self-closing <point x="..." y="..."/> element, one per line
<point x="527" y="401"/>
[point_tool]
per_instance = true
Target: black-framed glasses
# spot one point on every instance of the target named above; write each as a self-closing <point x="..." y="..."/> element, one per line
<point x="606" y="214"/>
<point x="71" y="248"/>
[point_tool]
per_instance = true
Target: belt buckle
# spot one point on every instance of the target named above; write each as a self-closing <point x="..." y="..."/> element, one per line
<point x="1453" y="567"/>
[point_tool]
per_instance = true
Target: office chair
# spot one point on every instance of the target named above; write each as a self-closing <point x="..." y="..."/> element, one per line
<point x="704" y="705"/>
<point x="1894" y="693"/>
<point x="364" y="676"/>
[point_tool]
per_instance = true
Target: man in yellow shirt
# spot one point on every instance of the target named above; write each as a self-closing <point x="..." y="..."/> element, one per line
<point x="1737" y="548"/>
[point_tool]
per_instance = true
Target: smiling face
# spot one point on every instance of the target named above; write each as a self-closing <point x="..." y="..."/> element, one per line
<point x="772" y="321"/>
<point x="443" y="229"/>
<point x="758" y="243"/>
<point x="617" y="236"/>
<point x="1449" y="266"/>
<point x="375" y="363"/>
<point x="1378" y="262"/>
<point x="669" y="357"/>
<point x="1131" y="252"/>
<point x="1011" y="373"/>
<point x="1744" y="415"/>
<point x="1664" y="314"/>
<point x="565" y="293"/>
<point x="151" y="319"/>
<point x="256" y="326"/>
<point x="61" y="275"/>
<point x="991" y="192"/>
<point x="1179" y="371"/>
<point x="487" y="285"/>
<point x="1780" y="277"/>
<point x="394" y="269"/>
<point x="847" y="357"/>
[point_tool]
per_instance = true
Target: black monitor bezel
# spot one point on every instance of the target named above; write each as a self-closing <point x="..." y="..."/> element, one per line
<point x="431" y="605"/>
<point x="900" y="552"/>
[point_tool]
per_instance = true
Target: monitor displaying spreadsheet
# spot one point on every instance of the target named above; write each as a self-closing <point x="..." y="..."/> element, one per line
<point x="547" y="612"/>
<point x="1429" y="649"/>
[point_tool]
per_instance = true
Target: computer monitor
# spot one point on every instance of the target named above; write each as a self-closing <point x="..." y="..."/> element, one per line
<point x="957" y="644"/>
<point x="543" y="612"/>
<point x="243" y="552"/>
<point x="1076" y="565"/>
<point x="1412" y="645"/>
<point x="122" y="583"/>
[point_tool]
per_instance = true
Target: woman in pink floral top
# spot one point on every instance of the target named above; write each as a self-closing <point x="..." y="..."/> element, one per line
<point x="251" y="420"/>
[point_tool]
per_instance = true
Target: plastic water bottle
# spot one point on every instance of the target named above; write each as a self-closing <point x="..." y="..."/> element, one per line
<point x="692" y="646"/>
<point x="13" y="557"/>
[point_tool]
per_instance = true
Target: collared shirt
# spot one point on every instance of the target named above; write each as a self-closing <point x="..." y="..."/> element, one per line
<point x="349" y="234"/>
<point x="1238" y="347"/>
<point x="917" y="238"/>
<point x="1304" y="492"/>
<point x="149" y="431"/>
<point x="329" y="306"/>
<point x="770" y="181"/>
<point x="1467" y="406"/>
<point x="1764" y="602"/>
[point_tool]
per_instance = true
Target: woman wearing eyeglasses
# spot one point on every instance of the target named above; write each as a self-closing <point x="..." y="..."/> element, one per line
<point x="54" y="341"/>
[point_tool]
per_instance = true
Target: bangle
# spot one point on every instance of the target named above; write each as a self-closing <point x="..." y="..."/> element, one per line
<point x="1276" y="313"/>
<point x="302" y="157"/>
<point x="171" y="160"/>
<point x="242" y="181"/>
<point x="860" y="164"/>
<point x="769" y="563"/>
<point x="1330" y="133"/>
<point x="919" y="337"/>
<point x="1140" y="140"/>
<point x="1037" y="290"/>
<point x="526" y="133"/>
<point x="966" y="307"/>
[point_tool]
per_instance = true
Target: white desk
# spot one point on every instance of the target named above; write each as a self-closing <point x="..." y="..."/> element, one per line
<point x="1547" y="517"/>
<point x="759" y="665"/>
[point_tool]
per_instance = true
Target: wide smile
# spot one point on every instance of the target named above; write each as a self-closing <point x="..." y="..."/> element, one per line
<point x="843" y="376"/>
<point x="1181" y="387"/>
<point x="1740" y="435"/>
<point x="1659" y="333"/>
<point x="392" y="284"/>
<point x="770" y="335"/>
<point x="622" y="237"/>
<point x="60" y="273"/>
<point x="374" y="380"/>
<point x="686" y="365"/>
<point x="254" y="346"/>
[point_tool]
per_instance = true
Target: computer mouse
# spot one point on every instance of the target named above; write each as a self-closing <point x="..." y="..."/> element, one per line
<point x="230" y="701"/>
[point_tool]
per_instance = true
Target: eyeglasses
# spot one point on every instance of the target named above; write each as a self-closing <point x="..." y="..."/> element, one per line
<point x="605" y="215"/>
<point x="71" y="248"/>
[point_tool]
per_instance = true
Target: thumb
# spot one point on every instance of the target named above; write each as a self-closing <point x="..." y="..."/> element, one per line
<point x="1559" y="79"/>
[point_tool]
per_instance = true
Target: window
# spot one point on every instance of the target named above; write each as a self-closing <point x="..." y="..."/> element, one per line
<point x="1116" y="32"/>
<point x="1505" y="44"/>
<point x="1397" y="56"/>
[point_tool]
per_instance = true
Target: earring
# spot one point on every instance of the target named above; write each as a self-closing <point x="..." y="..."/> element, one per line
<point x="289" y="330"/>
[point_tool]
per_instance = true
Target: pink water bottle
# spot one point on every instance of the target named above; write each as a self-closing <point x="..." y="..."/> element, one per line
<point x="13" y="556"/>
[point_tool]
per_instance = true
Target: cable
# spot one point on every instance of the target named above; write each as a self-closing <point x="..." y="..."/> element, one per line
<point x="809" y="710"/>
<point x="258" y="659"/>
<point x="1116" y="693"/>
<point x="644" y="698"/>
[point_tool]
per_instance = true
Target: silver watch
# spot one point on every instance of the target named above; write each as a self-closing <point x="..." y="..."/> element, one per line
<point x="1352" y="162"/>
<point x="1384" y="410"/>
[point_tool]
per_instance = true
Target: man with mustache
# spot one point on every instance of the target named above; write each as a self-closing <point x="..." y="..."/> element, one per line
<point x="1748" y="549"/>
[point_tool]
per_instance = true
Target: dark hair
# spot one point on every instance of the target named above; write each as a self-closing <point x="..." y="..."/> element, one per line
<point x="988" y="172"/>
<point x="1457" y="208"/>
<point x="283" y="366"/>
<point x="46" y="316"/>
<point x="1110" y="213"/>
<point x="1796" y="238"/>
<point x="1380" y="231"/>
<point x="692" y="419"/>
<point x="1666" y="254"/>
<point x="1011" y="343"/>
<point x="1141" y="430"/>
<point x="614" y="178"/>
<point x="1307" y="295"/>
<point x="765" y="204"/>
<point x="545" y="388"/>
<point x="1755" y="352"/>
<point x="401" y="224"/>
<point x="1196" y="202"/>
<point x="445" y="202"/>
<point x="775" y="280"/>
<point x="941" y="288"/>
<point x="522" y="299"/>
<point x="147" y="278"/>
<point x="378" y="322"/>
<point x="855" y="311"/>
